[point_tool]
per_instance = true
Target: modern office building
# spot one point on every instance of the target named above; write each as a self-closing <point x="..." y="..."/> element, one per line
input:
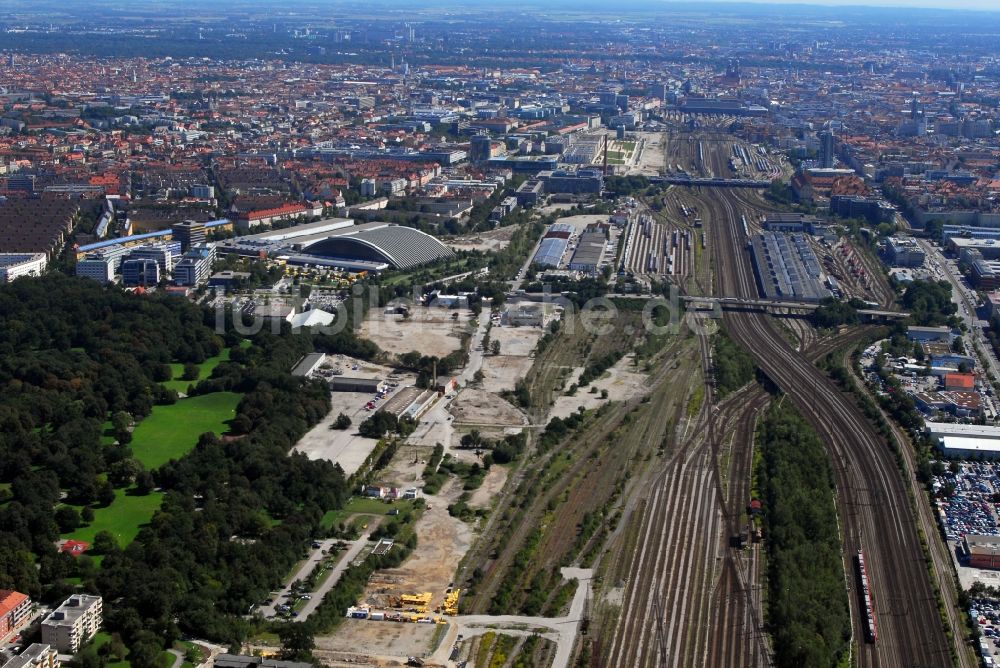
<point x="904" y="252"/>
<point x="99" y="266"/>
<point x="195" y="267"/>
<point x="190" y="233"/>
<point x="73" y="623"/>
<point x="827" y="158"/>
<point x="480" y="148"/>
<point x="581" y="181"/>
<point x="162" y="255"/>
<point x="140" y="271"/>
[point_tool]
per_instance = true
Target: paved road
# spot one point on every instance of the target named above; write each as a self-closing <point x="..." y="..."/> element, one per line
<point x="515" y="284"/>
<point x="302" y="573"/>
<point x="561" y="630"/>
<point x="315" y="557"/>
<point x="475" y="351"/>
<point x="345" y="561"/>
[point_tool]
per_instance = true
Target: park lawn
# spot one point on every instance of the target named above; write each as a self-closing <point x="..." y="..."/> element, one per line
<point x="170" y="432"/>
<point x="122" y="518"/>
<point x="107" y="433"/>
<point x="360" y="505"/>
<point x="205" y="370"/>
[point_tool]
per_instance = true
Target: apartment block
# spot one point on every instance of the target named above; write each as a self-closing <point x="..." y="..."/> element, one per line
<point x="73" y="623"/>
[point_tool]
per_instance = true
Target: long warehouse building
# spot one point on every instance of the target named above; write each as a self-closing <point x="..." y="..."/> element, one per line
<point x="550" y="252"/>
<point x="787" y="267"/>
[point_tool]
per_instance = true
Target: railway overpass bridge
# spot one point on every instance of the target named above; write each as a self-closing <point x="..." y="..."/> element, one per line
<point x="693" y="181"/>
<point x="716" y="305"/>
<point x="740" y="304"/>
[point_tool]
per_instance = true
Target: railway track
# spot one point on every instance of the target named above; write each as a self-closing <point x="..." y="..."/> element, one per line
<point x="874" y="508"/>
<point x="692" y="600"/>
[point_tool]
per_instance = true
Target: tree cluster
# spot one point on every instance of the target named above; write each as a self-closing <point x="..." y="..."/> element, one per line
<point x="734" y="367"/>
<point x="808" y="611"/>
<point x="929" y="303"/>
<point x="237" y="511"/>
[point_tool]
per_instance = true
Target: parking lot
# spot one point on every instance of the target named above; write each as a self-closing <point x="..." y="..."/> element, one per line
<point x="987" y="615"/>
<point x="971" y="509"/>
<point x="346" y="447"/>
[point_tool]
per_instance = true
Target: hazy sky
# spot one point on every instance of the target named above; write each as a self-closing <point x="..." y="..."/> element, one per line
<point x="991" y="5"/>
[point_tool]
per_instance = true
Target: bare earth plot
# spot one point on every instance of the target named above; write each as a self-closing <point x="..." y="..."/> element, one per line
<point x="481" y="408"/>
<point x="428" y="331"/>
<point x="621" y="381"/>
<point x="552" y="208"/>
<point x="493" y="240"/>
<point x="363" y="640"/>
<point x="651" y="158"/>
<point x="492" y="484"/>
<point x="501" y="372"/>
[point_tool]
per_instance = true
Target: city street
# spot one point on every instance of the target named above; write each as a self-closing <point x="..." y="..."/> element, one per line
<point x="966" y="300"/>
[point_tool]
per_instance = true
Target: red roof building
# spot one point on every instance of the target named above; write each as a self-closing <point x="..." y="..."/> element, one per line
<point x="74" y="547"/>
<point x="959" y="381"/>
<point x="14" y="609"/>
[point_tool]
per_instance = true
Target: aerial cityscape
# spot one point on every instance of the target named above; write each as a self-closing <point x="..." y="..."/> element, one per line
<point x="534" y="335"/>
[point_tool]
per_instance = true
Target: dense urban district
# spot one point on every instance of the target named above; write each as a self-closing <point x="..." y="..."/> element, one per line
<point x="563" y="335"/>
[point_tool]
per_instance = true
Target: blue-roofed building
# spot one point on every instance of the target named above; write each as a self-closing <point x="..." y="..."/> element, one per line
<point x="123" y="242"/>
<point x="146" y="238"/>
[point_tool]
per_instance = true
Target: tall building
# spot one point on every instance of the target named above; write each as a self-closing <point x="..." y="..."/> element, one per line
<point x="140" y="271"/>
<point x="659" y="91"/>
<point x="190" y="234"/>
<point x="73" y="623"/>
<point x="480" y="148"/>
<point x="826" y="151"/>
<point x="608" y="98"/>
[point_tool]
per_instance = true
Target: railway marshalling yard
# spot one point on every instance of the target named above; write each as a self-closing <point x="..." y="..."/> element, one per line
<point x="645" y="480"/>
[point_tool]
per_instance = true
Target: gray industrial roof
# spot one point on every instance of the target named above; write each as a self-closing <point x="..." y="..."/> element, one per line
<point x="550" y="252"/>
<point x="590" y="249"/>
<point x="787" y="267"/>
